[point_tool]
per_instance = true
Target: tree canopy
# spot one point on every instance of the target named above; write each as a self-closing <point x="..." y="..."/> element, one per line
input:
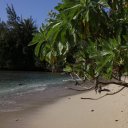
<point x="15" y="34"/>
<point x="90" y="38"/>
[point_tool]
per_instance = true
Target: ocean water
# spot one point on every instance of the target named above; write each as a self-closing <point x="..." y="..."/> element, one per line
<point x="15" y="81"/>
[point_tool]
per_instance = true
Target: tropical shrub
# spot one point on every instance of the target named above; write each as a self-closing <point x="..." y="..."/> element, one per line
<point x="89" y="37"/>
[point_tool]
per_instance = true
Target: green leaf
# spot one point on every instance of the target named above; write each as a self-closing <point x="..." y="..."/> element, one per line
<point x="104" y="3"/>
<point x="67" y="69"/>
<point x="38" y="49"/>
<point x="35" y="40"/>
<point x="60" y="46"/>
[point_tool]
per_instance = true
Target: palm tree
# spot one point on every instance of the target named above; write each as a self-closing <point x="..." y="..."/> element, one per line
<point x="14" y="38"/>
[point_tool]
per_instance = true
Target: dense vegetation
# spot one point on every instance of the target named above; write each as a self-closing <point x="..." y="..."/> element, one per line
<point x="88" y="38"/>
<point x="15" y="34"/>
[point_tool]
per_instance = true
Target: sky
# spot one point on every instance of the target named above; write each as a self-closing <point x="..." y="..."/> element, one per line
<point x="38" y="9"/>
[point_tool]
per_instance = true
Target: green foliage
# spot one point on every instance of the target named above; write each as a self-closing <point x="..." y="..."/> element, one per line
<point x="15" y="34"/>
<point x="89" y="36"/>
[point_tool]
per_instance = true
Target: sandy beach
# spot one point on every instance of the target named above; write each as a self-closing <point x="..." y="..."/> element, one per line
<point x="70" y="111"/>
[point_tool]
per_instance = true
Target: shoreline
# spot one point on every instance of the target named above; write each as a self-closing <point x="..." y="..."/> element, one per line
<point x="23" y="100"/>
<point x="68" y="110"/>
<point x="13" y="106"/>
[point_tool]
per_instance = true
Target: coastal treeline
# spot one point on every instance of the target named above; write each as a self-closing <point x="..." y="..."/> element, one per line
<point x="89" y="37"/>
<point x="15" y="35"/>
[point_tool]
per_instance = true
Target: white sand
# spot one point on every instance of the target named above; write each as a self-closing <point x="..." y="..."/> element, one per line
<point x="73" y="112"/>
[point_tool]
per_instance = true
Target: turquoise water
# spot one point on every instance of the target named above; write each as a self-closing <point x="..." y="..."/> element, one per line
<point x="12" y="81"/>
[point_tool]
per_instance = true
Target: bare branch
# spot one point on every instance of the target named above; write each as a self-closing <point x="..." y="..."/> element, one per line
<point x="107" y="94"/>
<point x="113" y="82"/>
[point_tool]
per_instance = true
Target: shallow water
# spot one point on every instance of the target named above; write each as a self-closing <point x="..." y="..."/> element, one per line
<point x="11" y="81"/>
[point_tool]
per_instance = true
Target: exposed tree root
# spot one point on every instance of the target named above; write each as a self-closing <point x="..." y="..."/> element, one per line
<point x="98" y="87"/>
<point x="107" y="94"/>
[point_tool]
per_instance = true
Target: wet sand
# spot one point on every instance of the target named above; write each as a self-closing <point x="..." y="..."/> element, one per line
<point x="72" y="112"/>
<point x="34" y="98"/>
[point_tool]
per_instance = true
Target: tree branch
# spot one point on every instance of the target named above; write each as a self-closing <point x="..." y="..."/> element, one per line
<point x="113" y="82"/>
<point x="104" y="95"/>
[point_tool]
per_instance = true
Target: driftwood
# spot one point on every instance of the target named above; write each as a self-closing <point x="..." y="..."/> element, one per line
<point x="107" y="94"/>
